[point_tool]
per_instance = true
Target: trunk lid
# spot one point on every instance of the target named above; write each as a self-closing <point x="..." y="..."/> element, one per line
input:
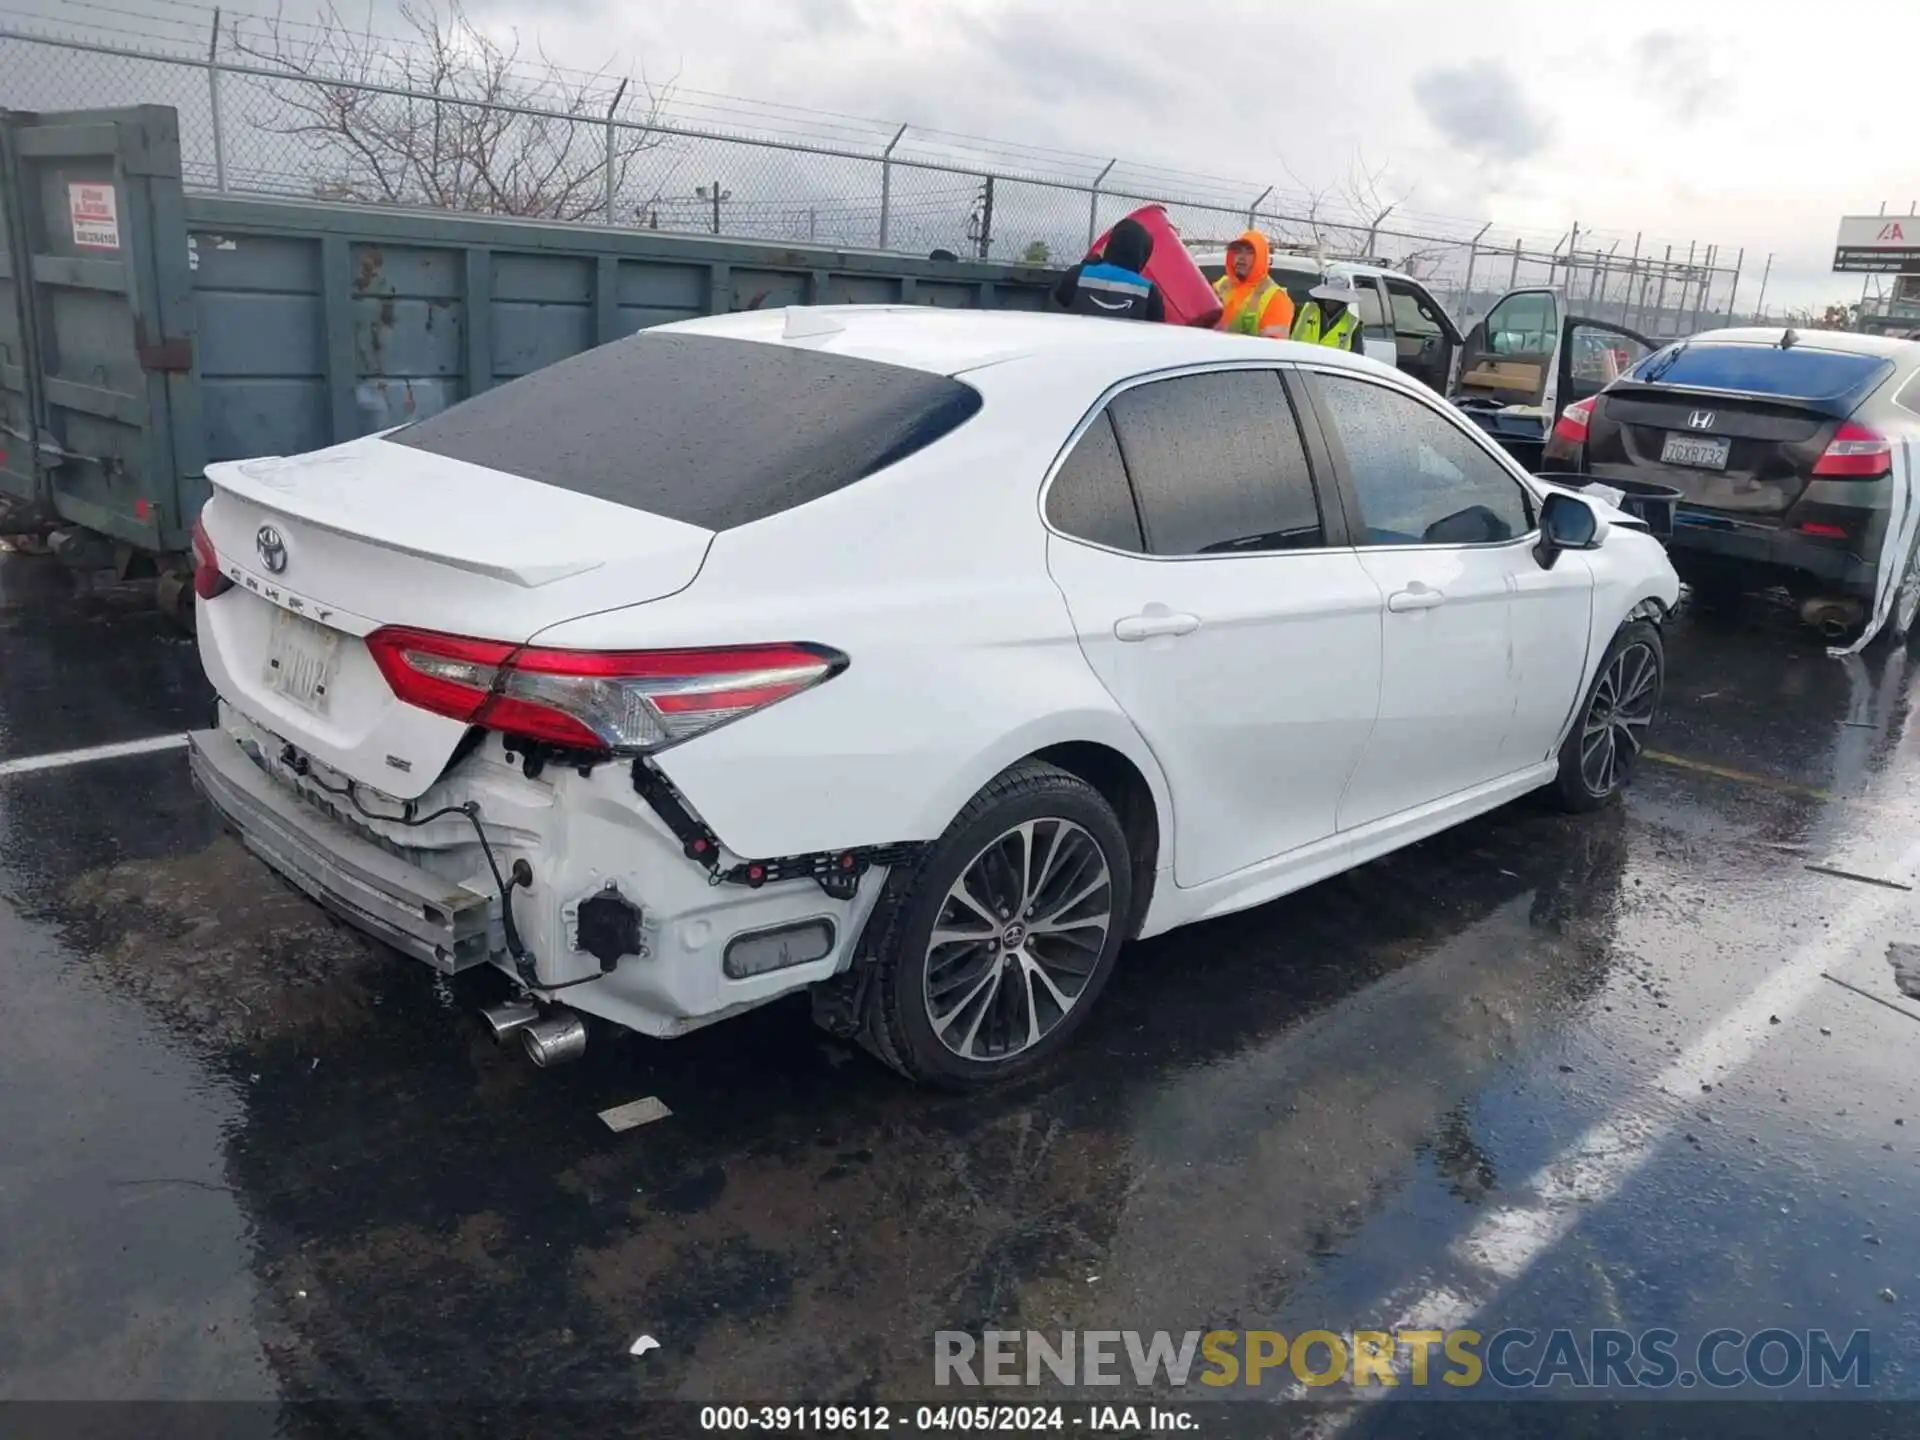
<point x="1769" y="446"/>
<point x="325" y="548"/>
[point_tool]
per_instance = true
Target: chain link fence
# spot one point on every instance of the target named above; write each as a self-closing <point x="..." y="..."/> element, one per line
<point x="693" y="164"/>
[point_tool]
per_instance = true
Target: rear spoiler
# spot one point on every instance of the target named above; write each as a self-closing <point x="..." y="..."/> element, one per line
<point x="1830" y="408"/>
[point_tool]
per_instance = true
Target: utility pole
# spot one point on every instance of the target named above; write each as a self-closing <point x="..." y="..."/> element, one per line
<point x="980" y="223"/>
<point x="714" y="194"/>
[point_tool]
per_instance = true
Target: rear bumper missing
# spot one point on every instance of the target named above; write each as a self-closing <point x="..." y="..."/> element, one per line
<point x="419" y="914"/>
<point x="1731" y="544"/>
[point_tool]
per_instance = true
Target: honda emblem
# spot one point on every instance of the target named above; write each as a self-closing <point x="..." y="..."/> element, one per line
<point x="1700" y="420"/>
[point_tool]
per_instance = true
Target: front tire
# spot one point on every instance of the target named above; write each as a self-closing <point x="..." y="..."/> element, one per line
<point x="1603" y="748"/>
<point x="996" y="945"/>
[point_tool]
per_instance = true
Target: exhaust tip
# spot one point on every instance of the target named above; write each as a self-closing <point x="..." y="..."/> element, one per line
<point x="555" y="1040"/>
<point x="504" y="1020"/>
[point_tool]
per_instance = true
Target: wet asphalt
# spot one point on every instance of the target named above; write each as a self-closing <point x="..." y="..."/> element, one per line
<point x="247" y="1155"/>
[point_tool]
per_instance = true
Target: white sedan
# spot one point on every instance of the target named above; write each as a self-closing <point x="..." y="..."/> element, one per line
<point x="921" y="658"/>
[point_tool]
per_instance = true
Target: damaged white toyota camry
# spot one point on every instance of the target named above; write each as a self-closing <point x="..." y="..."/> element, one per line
<point x="919" y="658"/>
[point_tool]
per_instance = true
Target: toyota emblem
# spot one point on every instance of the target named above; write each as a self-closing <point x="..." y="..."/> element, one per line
<point x="273" y="550"/>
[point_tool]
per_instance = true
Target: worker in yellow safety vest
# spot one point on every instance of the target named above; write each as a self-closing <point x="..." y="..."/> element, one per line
<point x="1251" y="304"/>
<point x="1331" y="315"/>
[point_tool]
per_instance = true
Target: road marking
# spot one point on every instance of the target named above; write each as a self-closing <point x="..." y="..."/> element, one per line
<point x="1744" y="777"/>
<point x="1601" y="1161"/>
<point x="634" y="1114"/>
<point x="60" y="759"/>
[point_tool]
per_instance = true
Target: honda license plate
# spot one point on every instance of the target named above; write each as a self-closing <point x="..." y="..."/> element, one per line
<point x="1703" y="452"/>
<point x="300" y="660"/>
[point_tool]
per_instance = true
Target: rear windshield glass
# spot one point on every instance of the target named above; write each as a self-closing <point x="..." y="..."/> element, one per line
<point x="709" y="431"/>
<point x="1798" y="373"/>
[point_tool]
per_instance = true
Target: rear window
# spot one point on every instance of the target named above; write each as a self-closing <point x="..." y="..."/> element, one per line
<point x="708" y="431"/>
<point x="1796" y="373"/>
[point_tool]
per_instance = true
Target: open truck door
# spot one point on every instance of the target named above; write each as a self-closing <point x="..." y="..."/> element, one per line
<point x="1425" y="339"/>
<point x="1529" y="359"/>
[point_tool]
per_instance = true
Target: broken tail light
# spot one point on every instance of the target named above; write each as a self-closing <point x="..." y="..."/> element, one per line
<point x="1572" y="425"/>
<point x="208" y="582"/>
<point x="612" y="700"/>
<point x="1856" y="453"/>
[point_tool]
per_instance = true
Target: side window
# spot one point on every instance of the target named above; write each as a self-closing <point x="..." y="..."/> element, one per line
<point x="1217" y="464"/>
<point x="1410" y="316"/>
<point x="1296" y="283"/>
<point x="1601" y="356"/>
<point x="1090" y="498"/>
<point x="1373" y="315"/>
<point x="1525" y="324"/>
<point x="1419" y="480"/>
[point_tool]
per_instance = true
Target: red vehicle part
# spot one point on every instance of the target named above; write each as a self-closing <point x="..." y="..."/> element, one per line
<point x="1189" y="298"/>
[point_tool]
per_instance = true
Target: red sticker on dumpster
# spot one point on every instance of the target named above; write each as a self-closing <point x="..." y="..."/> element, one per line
<point x="96" y="216"/>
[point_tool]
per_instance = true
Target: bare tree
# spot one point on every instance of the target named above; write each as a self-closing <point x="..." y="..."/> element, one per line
<point x="1370" y="198"/>
<point x="463" y="121"/>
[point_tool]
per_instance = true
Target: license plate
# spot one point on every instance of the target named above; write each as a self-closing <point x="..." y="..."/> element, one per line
<point x="1702" y="452"/>
<point x="300" y="660"/>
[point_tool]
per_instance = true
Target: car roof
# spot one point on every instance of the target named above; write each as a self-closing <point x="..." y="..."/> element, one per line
<point x="1842" y="340"/>
<point x="952" y="341"/>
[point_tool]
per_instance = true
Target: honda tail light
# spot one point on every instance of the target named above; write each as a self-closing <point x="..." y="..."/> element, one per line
<point x="208" y="582"/>
<point x="1573" y="422"/>
<point x="631" y="700"/>
<point x="1856" y="453"/>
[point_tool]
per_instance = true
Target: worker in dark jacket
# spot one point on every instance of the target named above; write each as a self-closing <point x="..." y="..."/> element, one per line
<point x="1114" y="283"/>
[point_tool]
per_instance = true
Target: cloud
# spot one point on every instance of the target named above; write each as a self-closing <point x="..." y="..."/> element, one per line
<point x="823" y="19"/>
<point x="1479" y="106"/>
<point x="1671" y="70"/>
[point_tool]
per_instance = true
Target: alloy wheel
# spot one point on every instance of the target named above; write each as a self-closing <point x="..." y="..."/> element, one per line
<point x="1906" y="599"/>
<point x="1017" y="939"/>
<point x="1613" y="732"/>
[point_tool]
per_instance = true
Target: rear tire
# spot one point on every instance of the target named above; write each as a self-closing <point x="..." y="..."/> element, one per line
<point x="1603" y="748"/>
<point x="994" y="948"/>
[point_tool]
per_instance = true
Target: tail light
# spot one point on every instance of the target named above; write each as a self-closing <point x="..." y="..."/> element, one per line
<point x="1856" y="453"/>
<point x="208" y="582"/>
<point x="603" y="700"/>
<point x="1820" y="529"/>
<point x="1573" y="422"/>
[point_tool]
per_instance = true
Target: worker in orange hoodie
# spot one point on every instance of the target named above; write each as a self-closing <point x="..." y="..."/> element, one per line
<point x="1252" y="303"/>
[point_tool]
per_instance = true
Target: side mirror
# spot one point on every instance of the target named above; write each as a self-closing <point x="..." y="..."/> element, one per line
<point x="1566" y="523"/>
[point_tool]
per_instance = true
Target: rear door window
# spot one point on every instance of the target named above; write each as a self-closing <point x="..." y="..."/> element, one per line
<point x="1090" y="498"/>
<point x="709" y="431"/>
<point x="1218" y="465"/>
<point x="1799" y="372"/>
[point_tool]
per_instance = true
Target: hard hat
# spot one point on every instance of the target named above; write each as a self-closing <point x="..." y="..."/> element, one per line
<point x="1336" y="289"/>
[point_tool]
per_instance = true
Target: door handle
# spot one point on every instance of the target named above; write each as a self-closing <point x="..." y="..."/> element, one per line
<point x="1416" y="597"/>
<point x="1146" y="627"/>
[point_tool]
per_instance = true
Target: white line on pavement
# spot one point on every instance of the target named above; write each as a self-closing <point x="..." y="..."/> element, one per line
<point x="1600" y="1162"/>
<point x="59" y="760"/>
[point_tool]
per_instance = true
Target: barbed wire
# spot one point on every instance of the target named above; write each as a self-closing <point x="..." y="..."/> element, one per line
<point x="183" y="27"/>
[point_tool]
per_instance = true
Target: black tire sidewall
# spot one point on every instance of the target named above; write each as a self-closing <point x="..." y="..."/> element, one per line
<point x="1053" y="795"/>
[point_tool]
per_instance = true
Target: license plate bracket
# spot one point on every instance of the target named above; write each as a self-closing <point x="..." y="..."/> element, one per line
<point x="1701" y="452"/>
<point x="301" y="659"/>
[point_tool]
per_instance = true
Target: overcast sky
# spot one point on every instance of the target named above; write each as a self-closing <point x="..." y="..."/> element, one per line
<point x="1682" y="119"/>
